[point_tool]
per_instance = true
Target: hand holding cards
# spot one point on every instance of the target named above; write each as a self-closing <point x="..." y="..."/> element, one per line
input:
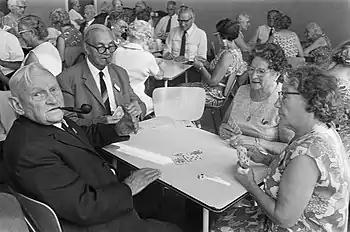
<point x="188" y="157"/>
<point x="243" y="159"/>
<point x="127" y="125"/>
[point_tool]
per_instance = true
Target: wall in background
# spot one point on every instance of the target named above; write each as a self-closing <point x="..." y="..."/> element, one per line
<point x="332" y="15"/>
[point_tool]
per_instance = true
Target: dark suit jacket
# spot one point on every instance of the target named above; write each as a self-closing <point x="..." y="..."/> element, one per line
<point x="79" y="87"/>
<point x="63" y="170"/>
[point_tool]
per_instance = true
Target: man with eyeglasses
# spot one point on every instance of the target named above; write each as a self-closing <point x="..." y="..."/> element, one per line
<point x="186" y="41"/>
<point x="97" y="82"/>
<point x="10" y="21"/>
<point x="168" y="22"/>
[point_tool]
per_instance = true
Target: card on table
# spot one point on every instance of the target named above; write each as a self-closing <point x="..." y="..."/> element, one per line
<point x="188" y="157"/>
<point x="243" y="159"/>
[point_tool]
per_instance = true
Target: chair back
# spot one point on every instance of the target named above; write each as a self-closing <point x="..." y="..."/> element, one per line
<point x="179" y="103"/>
<point x="7" y="114"/>
<point x="39" y="214"/>
<point x="231" y="81"/>
<point x="11" y="215"/>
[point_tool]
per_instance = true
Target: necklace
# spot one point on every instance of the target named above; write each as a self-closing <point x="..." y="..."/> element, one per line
<point x="252" y="113"/>
<point x="256" y="110"/>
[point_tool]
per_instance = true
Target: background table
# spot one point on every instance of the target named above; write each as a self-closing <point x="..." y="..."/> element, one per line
<point x="172" y="69"/>
<point x="218" y="161"/>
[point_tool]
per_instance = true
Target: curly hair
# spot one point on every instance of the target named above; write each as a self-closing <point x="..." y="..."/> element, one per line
<point x="341" y="54"/>
<point x="319" y="89"/>
<point x="59" y="18"/>
<point x="36" y="24"/>
<point x="282" y="21"/>
<point x="273" y="54"/>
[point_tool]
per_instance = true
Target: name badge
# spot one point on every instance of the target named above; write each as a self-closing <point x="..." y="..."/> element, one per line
<point x="116" y="87"/>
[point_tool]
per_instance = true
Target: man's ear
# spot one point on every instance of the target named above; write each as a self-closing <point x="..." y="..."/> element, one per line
<point x="86" y="48"/>
<point x="16" y="105"/>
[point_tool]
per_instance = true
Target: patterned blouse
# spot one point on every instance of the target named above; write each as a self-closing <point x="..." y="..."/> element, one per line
<point x="327" y="209"/>
<point x="259" y="119"/>
<point x="322" y="54"/>
<point x="288" y="44"/>
<point x="73" y="46"/>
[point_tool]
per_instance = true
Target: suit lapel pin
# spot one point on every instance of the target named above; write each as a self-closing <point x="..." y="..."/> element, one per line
<point x="116" y="87"/>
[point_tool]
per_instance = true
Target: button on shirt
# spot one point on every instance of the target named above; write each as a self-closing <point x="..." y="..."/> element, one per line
<point x="163" y="22"/>
<point x="10" y="49"/>
<point x="196" y="42"/>
<point x="107" y="78"/>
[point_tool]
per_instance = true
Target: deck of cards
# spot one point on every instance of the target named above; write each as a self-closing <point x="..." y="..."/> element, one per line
<point x="188" y="157"/>
<point x="243" y="159"/>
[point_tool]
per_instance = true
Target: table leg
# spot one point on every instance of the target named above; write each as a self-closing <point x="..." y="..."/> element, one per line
<point x="205" y="220"/>
<point x="165" y="83"/>
<point x="186" y="77"/>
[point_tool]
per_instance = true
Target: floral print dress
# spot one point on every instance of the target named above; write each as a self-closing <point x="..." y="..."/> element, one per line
<point x="288" y="44"/>
<point x="328" y="207"/>
<point x="214" y="94"/>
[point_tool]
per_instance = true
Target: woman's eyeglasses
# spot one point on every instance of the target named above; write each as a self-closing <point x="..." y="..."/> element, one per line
<point x="103" y="49"/>
<point x="283" y="95"/>
<point x="259" y="71"/>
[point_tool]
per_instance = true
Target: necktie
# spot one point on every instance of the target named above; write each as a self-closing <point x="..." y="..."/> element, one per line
<point x="168" y="26"/>
<point x="183" y="44"/>
<point x="104" y="94"/>
<point x="271" y="32"/>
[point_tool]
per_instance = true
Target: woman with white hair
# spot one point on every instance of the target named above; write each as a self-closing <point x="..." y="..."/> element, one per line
<point x="34" y="32"/>
<point x="319" y="47"/>
<point x="17" y="9"/>
<point x="139" y="35"/>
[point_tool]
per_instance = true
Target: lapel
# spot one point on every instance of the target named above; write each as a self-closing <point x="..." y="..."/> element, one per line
<point x="117" y="84"/>
<point x="90" y="83"/>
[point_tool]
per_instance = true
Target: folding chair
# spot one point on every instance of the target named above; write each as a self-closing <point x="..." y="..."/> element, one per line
<point x="40" y="215"/>
<point x="11" y="215"/>
<point x="179" y="103"/>
<point x="227" y="93"/>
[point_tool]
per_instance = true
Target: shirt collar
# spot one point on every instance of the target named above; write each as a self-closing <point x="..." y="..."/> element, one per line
<point x="95" y="71"/>
<point x="189" y="31"/>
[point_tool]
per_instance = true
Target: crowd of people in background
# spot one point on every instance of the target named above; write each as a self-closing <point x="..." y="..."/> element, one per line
<point x="290" y="100"/>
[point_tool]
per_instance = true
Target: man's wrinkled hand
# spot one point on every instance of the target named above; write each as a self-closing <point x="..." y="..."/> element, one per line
<point x="134" y="109"/>
<point x="181" y="59"/>
<point x="140" y="179"/>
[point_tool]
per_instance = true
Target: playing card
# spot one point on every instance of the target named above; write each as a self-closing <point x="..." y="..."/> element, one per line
<point x="178" y="158"/>
<point x="119" y="112"/>
<point x="243" y="158"/>
<point x="192" y="157"/>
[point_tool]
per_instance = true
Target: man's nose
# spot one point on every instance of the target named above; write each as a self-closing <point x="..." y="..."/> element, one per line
<point x="51" y="99"/>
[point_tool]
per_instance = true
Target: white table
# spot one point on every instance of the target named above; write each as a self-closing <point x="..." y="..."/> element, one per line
<point x="172" y="69"/>
<point x="218" y="161"/>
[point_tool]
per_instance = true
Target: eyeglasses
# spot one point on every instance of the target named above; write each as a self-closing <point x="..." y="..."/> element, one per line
<point x="103" y="49"/>
<point x="259" y="71"/>
<point x="22" y="7"/>
<point x="282" y="95"/>
<point x="24" y="31"/>
<point x="184" y="20"/>
<point x="41" y="95"/>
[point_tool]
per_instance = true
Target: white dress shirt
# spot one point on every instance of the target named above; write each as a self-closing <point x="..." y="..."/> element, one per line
<point x="74" y="15"/>
<point x="261" y="34"/>
<point x="146" y="65"/>
<point x="196" y="42"/>
<point x="163" y="23"/>
<point x="10" y="49"/>
<point x="107" y="78"/>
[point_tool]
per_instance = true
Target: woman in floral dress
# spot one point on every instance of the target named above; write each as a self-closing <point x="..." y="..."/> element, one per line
<point x="228" y="61"/>
<point x="307" y="185"/>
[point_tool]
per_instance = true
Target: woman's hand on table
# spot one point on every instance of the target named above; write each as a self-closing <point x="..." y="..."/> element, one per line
<point x="225" y="131"/>
<point x="245" y="177"/>
<point x="168" y="56"/>
<point x="197" y="63"/>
